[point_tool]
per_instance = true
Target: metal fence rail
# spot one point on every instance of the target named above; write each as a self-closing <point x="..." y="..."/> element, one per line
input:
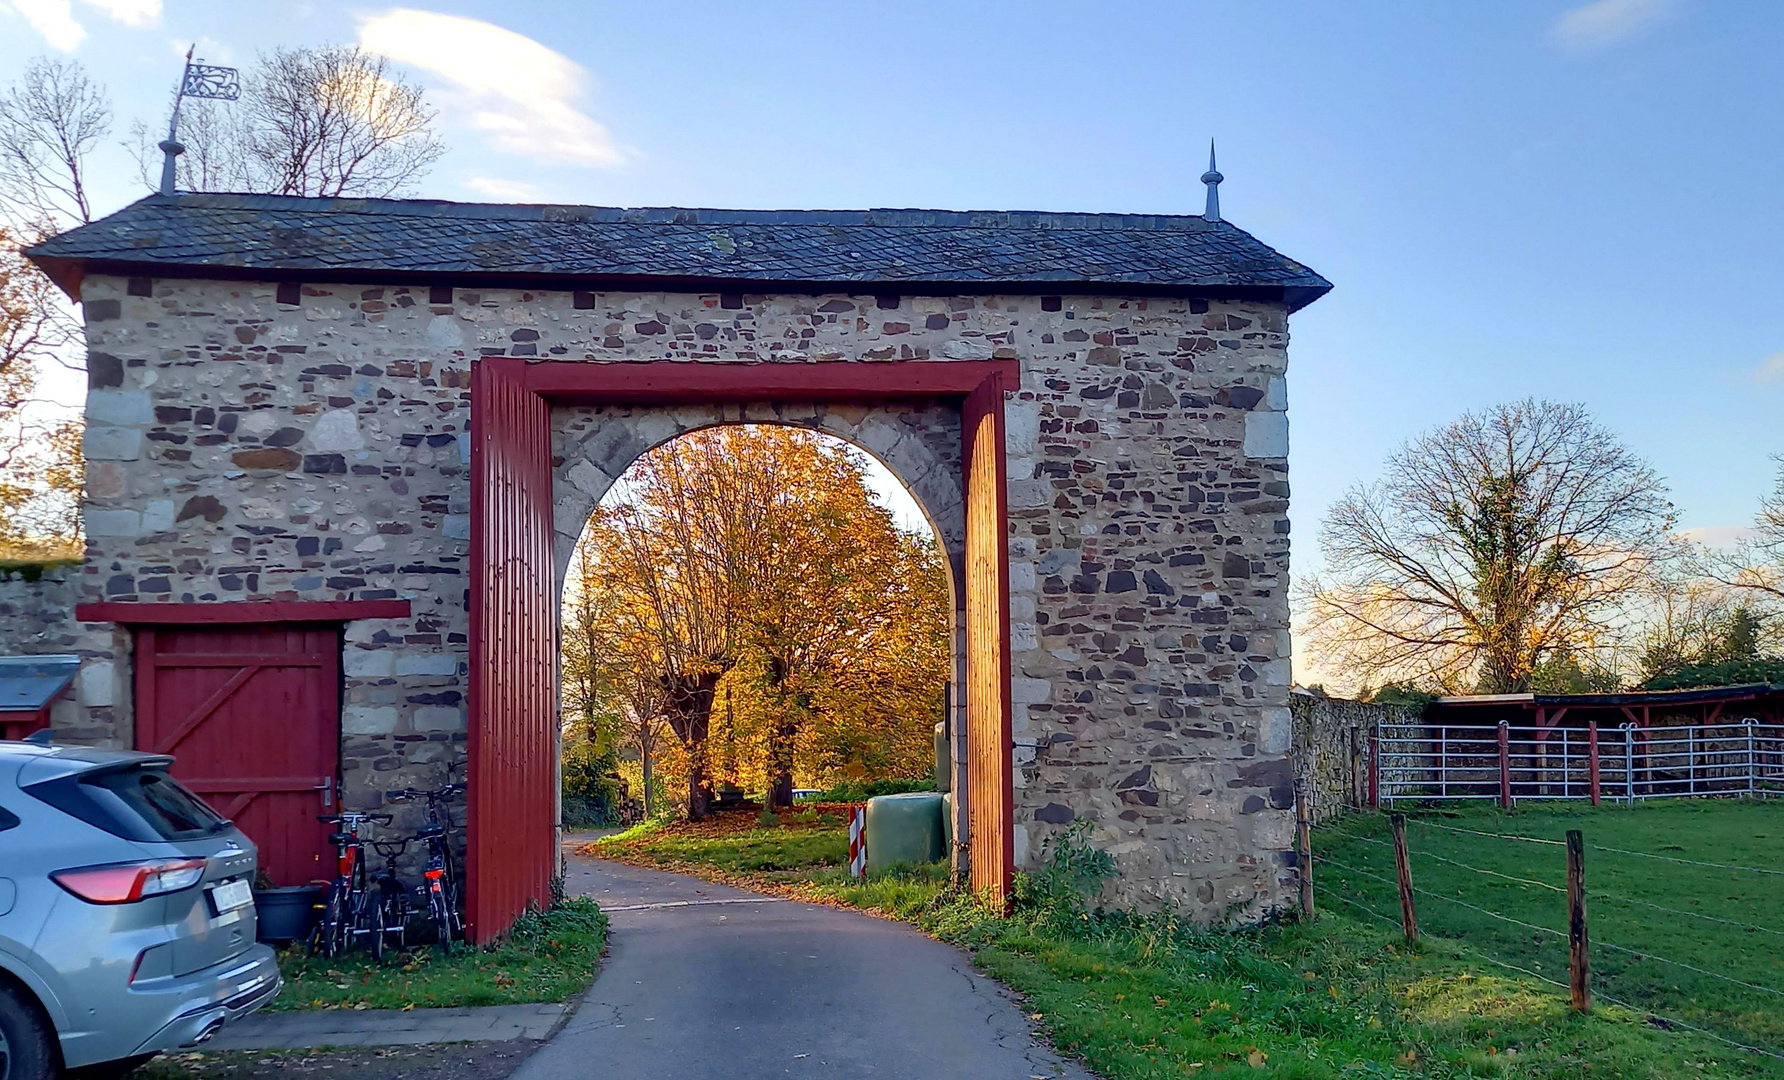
<point x="1419" y="762"/>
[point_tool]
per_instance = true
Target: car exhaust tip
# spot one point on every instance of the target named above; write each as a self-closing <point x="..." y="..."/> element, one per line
<point x="210" y="1030"/>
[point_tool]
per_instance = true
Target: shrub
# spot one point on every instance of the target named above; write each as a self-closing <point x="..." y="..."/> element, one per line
<point x="864" y="790"/>
<point x="591" y="787"/>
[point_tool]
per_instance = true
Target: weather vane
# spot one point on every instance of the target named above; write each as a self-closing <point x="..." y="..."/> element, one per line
<point x="206" y="81"/>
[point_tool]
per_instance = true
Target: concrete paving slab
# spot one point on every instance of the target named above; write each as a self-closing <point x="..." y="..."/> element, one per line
<point x="388" y="1027"/>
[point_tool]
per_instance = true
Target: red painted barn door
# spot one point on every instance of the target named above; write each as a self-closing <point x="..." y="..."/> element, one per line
<point x="990" y="796"/>
<point x="514" y="737"/>
<point x="252" y="715"/>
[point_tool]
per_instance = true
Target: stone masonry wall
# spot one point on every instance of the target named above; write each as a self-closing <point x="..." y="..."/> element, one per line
<point x="36" y="619"/>
<point x="1332" y="747"/>
<point x="239" y="448"/>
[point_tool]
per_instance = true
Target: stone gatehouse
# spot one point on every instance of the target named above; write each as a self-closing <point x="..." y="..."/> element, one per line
<point x="278" y="430"/>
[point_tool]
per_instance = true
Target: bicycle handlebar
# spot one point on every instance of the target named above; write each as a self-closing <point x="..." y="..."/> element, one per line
<point x="342" y="818"/>
<point x="416" y="793"/>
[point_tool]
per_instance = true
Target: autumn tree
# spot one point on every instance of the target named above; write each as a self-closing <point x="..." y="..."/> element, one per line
<point x="40" y="463"/>
<point x="611" y="695"/>
<point x="51" y="119"/>
<point x="1512" y="536"/>
<point x="751" y="565"/>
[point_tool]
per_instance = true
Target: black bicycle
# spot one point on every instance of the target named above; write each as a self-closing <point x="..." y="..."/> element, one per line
<point x="441" y="882"/>
<point x="348" y="911"/>
<point x="390" y="898"/>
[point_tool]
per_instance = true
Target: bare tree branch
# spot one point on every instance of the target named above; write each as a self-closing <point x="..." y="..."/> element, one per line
<point x="1508" y="538"/>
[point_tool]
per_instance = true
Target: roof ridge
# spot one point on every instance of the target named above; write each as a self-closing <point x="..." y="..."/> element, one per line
<point x="890" y="217"/>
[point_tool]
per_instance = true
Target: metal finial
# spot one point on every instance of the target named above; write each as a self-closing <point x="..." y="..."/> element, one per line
<point x="197" y="81"/>
<point x="1212" y="178"/>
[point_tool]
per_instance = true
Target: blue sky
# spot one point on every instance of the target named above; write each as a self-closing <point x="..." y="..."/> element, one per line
<point x="1524" y="197"/>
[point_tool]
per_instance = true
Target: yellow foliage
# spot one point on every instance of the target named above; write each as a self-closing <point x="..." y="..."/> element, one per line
<point x="741" y="587"/>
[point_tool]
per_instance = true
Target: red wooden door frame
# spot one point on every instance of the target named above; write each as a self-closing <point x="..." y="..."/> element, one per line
<point x="511" y="852"/>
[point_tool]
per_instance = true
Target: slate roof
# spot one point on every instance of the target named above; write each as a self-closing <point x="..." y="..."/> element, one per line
<point x="28" y="683"/>
<point x="284" y="238"/>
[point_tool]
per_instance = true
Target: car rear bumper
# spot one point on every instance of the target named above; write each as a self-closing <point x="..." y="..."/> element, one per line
<point x="207" y="1000"/>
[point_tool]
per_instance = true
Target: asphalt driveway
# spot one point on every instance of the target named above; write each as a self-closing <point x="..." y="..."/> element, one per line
<point x="706" y="981"/>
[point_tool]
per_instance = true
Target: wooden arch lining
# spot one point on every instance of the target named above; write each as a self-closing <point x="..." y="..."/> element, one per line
<point x="512" y="852"/>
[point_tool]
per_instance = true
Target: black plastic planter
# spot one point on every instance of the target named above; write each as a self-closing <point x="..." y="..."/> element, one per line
<point x="286" y="914"/>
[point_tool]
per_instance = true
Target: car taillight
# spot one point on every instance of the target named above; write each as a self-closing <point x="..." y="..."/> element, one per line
<point x="126" y="883"/>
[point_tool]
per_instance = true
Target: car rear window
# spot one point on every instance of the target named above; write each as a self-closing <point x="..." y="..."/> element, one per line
<point x="136" y="802"/>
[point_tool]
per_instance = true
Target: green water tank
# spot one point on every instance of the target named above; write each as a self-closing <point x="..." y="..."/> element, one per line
<point x="944" y="761"/>
<point x="904" y="828"/>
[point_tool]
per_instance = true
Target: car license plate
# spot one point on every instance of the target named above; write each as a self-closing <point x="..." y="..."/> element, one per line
<point x="231" y="895"/>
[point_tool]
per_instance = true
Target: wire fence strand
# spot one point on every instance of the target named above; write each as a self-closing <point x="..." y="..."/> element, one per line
<point x="1489" y="873"/>
<point x="1643" y="954"/>
<point x="1688" y="1026"/>
<point x="1494" y="835"/>
<point x="1439" y="896"/>
<point x="1614" y="898"/>
<point x="1688" y="862"/>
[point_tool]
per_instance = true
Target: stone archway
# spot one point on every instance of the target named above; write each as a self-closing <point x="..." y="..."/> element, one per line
<point x="918" y="440"/>
<point x="519" y="511"/>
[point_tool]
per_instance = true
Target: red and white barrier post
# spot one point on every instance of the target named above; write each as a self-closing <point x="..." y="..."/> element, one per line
<point x="858" y="842"/>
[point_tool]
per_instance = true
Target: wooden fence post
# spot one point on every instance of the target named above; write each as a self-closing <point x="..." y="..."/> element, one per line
<point x="1579" y="964"/>
<point x="1304" y="840"/>
<point x="1504" y="765"/>
<point x="1592" y="757"/>
<point x="1409" y="919"/>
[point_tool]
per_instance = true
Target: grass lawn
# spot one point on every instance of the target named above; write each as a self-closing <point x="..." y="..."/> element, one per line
<point x="546" y="957"/>
<point x="1146" y="998"/>
<point x="1710" y="927"/>
<point x="809" y="836"/>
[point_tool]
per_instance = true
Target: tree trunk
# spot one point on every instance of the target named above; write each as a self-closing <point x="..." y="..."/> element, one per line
<point x="644" y="749"/>
<point x="690" y="715"/>
<point x="783" y="734"/>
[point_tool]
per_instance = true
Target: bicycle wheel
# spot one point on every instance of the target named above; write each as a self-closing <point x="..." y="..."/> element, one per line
<point x="368" y="923"/>
<point x="330" y="936"/>
<point x="439" y="910"/>
<point x="393" y="911"/>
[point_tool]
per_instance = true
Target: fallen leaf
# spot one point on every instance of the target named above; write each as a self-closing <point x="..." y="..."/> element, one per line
<point x="1256" y="1058"/>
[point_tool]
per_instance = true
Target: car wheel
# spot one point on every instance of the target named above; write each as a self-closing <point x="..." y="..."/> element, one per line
<point x="26" y="1052"/>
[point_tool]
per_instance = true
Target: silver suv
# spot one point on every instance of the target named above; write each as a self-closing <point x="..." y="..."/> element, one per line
<point x="126" y="913"/>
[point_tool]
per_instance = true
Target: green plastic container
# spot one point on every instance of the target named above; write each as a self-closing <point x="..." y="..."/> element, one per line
<point x="904" y="828"/>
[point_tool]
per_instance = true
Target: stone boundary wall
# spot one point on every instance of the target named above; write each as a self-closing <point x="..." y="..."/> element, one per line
<point x="1332" y="747"/>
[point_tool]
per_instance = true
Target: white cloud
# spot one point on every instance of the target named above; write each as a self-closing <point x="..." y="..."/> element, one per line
<point x="505" y="190"/>
<point x="1720" y="537"/>
<point x="525" y="95"/>
<point x="1606" y="22"/>
<point x="54" y="20"/>
<point x="1771" y="369"/>
<point x="129" y="12"/>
